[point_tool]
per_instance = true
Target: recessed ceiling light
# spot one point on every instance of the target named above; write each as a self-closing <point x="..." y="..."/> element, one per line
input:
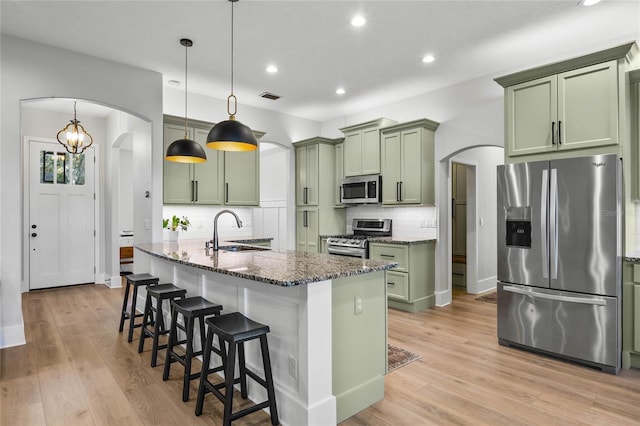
<point x="173" y="83"/>
<point x="340" y="91"/>
<point x="588" y="2"/>
<point x="358" y="21"/>
<point x="428" y="59"/>
<point x="272" y="69"/>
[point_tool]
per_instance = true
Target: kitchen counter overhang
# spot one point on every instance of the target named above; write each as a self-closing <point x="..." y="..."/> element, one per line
<point x="327" y="317"/>
<point x="283" y="268"/>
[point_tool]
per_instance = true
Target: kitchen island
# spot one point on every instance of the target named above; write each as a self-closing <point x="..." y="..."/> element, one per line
<point x="327" y="316"/>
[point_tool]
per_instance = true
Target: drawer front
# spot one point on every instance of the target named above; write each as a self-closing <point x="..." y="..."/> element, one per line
<point x="398" y="285"/>
<point x="391" y="253"/>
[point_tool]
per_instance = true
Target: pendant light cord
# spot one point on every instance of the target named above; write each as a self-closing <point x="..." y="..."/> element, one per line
<point x="232" y="97"/>
<point x="186" y="87"/>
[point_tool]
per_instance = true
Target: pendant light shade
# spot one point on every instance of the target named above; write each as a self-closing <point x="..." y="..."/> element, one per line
<point x="232" y="135"/>
<point x="185" y="150"/>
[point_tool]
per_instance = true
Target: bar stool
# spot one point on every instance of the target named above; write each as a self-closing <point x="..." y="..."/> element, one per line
<point x="191" y="308"/>
<point x="135" y="280"/>
<point x="233" y="330"/>
<point x="161" y="293"/>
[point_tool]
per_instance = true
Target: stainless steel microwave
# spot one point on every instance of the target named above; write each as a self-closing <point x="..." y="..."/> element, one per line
<point x="361" y="190"/>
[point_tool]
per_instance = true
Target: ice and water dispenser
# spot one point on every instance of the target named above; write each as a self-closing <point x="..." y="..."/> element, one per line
<point x="518" y="223"/>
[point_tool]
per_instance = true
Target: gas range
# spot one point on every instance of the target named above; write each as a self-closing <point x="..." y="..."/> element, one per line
<point x="356" y="244"/>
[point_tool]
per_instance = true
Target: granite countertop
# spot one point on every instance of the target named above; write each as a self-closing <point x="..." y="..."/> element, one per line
<point x="394" y="239"/>
<point x="283" y="268"/>
<point x="401" y="240"/>
<point x="633" y="257"/>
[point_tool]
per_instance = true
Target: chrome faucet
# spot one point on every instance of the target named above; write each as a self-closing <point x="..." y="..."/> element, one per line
<point x="215" y="226"/>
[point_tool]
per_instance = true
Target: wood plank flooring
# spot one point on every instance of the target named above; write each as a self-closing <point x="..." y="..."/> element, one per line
<point x="77" y="369"/>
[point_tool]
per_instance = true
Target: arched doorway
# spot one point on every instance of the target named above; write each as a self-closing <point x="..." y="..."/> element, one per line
<point x="44" y="117"/>
<point x="480" y="220"/>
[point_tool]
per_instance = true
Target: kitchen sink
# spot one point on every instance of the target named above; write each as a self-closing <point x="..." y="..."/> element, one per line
<point x="242" y="248"/>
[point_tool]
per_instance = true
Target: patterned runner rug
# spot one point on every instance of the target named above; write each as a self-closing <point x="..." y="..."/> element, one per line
<point x="399" y="357"/>
<point x="489" y="298"/>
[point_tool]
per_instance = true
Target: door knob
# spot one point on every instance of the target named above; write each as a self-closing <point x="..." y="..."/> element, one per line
<point x="34" y="234"/>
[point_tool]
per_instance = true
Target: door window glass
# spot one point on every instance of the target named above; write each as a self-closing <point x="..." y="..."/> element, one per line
<point x="62" y="168"/>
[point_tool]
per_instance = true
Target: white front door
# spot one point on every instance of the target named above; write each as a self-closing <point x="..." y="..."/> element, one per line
<point x="61" y="214"/>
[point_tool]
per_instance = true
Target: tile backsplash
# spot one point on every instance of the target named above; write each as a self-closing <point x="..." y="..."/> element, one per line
<point x="201" y="218"/>
<point x="418" y="222"/>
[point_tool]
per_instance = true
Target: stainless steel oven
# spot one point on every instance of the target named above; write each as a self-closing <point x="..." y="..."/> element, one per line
<point x="357" y="244"/>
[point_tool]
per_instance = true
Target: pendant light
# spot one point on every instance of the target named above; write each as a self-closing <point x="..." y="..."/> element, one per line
<point x="185" y="150"/>
<point x="231" y="135"/>
<point x="75" y="135"/>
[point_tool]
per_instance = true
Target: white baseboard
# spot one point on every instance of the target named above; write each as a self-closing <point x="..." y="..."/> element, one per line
<point x="114" y="282"/>
<point x="12" y="336"/>
<point x="443" y="298"/>
<point x="482" y="285"/>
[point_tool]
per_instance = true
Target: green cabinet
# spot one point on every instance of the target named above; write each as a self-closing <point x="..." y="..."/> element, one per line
<point x="339" y="174"/>
<point x="226" y="178"/>
<point x="362" y="147"/>
<point x="307" y="230"/>
<point x="631" y="315"/>
<point x="408" y="166"/>
<point x="411" y="284"/>
<point x="634" y="80"/>
<point x="316" y="186"/>
<point x="307" y="175"/>
<point x="191" y="183"/>
<point x="571" y="110"/>
<point x="241" y="178"/>
<point x="577" y="104"/>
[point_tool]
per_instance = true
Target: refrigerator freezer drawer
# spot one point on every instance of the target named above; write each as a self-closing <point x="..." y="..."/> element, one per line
<point x="572" y="325"/>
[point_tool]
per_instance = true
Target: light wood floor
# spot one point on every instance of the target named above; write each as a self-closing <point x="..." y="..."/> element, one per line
<point x="77" y="369"/>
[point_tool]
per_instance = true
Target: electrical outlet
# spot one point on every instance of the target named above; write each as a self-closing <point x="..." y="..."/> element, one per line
<point x="292" y="366"/>
<point x="147" y="224"/>
<point x="357" y="305"/>
<point x="423" y="223"/>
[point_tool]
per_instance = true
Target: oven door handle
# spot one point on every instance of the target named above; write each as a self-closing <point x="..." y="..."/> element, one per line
<point x="342" y="251"/>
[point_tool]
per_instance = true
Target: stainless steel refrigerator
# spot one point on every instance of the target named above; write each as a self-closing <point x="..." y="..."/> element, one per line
<point x="559" y="258"/>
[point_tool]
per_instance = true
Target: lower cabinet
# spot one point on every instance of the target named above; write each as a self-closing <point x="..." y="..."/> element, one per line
<point x="307" y="230"/>
<point x="631" y="315"/>
<point x="411" y="284"/>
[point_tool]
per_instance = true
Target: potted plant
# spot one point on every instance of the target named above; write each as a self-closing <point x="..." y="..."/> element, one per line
<point x="175" y="224"/>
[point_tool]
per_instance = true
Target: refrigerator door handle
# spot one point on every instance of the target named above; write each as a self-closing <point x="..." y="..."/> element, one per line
<point x="543" y="223"/>
<point x="553" y="224"/>
<point x="586" y="300"/>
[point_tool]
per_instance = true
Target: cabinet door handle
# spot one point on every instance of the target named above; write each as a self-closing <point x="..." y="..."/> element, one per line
<point x="553" y="133"/>
<point x="193" y="191"/>
<point x="397" y="191"/>
<point x="339" y="193"/>
<point x="305" y="195"/>
<point x="196" y="198"/>
<point x="401" y="190"/>
<point x="226" y="192"/>
<point x="391" y="283"/>
<point x="304" y="218"/>
<point x="390" y="256"/>
<point x="559" y="132"/>
<point x="453" y="208"/>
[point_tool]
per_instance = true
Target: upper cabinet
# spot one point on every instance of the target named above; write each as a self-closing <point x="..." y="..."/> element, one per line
<point x="226" y="178"/>
<point x="362" y="147"/>
<point x="408" y="163"/>
<point x="339" y="174"/>
<point x="565" y="106"/>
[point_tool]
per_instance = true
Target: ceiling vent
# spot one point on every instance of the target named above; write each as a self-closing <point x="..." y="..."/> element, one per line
<point x="271" y="96"/>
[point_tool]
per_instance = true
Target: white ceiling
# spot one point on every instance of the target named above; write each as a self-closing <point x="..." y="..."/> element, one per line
<point x="317" y="50"/>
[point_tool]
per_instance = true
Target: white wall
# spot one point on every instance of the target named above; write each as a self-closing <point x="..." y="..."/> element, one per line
<point x="31" y="70"/>
<point x="125" y="190"/>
